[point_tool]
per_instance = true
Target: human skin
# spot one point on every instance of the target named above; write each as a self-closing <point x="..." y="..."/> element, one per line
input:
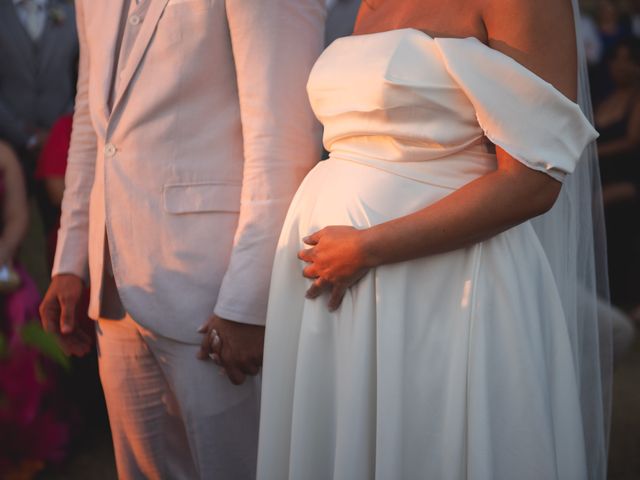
<point x="236" y="359"/>
<point x="55" y="189"/>
<point x="540" y="35"/>
<point x="58" y="314"/>
<point x="15" y="210"/>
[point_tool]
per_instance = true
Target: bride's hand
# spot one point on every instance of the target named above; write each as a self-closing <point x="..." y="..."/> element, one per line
<point x="337" y="260"/>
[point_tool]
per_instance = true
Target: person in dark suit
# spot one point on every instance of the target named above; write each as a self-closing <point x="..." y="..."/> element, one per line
<point x="38" y="54"/>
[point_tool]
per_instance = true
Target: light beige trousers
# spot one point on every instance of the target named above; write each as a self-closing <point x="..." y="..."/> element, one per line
<point x="172" y="416"/>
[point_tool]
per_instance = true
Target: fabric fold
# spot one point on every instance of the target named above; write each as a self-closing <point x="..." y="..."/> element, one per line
<point x="518" y="110"/>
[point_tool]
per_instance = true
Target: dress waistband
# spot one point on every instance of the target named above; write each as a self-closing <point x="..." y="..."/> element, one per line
<point x="450" y="172"/>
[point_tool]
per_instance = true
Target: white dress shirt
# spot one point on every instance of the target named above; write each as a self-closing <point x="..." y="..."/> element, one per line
<point x="33" y="15"/>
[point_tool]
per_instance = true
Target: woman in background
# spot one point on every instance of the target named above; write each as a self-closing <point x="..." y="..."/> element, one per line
<point x="618" y="121"/>
<point x="618" y="116"/>
<point x="19" y="293"/>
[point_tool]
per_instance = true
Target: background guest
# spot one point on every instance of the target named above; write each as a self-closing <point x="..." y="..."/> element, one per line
<point x="38" y="51"/>
<point x="19" y="294"/>
<point x="618" y="115"/>
<point x="38" y="54"/>
<point x="611" y="24"/>
<point x="618" y="121"/>
<point x="50" y="170"/>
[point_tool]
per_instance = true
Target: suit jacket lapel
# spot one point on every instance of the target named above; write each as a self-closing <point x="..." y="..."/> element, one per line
<point x="140" y="46"/>
<point x="102" y="23"/>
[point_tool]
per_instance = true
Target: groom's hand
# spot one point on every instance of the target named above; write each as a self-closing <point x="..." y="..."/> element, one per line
<point x="238" y="350"/>
<point x="58" y="314"/>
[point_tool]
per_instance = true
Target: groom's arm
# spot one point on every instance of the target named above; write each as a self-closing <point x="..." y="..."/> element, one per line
<point x="58" y="307"/>
<point x="72" y="246"/>
<point x="275" y="43"/>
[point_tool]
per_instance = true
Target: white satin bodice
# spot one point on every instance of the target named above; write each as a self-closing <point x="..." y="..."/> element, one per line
<point x="423" y="108"/>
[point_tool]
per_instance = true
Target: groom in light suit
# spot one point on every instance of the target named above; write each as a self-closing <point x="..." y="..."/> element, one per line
<point x="191" y="133"/>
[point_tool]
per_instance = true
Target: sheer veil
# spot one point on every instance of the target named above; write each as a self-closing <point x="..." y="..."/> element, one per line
<point x="573" y="237"/>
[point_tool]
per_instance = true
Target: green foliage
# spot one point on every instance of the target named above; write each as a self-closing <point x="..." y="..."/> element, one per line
<point x="33" y="335"/>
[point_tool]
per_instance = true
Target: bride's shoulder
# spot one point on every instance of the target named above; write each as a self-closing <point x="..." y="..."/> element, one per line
<point x="538" y="14"/>
<point x="540" y="34"/>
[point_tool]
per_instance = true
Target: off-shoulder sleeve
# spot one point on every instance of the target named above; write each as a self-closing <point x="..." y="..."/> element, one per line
<point x="518" y="111"/>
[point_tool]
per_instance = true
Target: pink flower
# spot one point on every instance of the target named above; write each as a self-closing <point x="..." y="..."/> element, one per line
<point x="21" y="389"/>
<point x="30" y="432"/>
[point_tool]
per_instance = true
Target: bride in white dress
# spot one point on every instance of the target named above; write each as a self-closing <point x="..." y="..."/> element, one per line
<point x="431" y="338"/>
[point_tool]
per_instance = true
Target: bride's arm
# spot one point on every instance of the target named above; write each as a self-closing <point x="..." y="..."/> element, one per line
<point x="510" y="195"/>
<point x="481" y="209"/>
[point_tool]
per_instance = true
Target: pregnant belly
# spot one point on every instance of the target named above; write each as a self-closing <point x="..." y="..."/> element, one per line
<point x="340" y="192"/>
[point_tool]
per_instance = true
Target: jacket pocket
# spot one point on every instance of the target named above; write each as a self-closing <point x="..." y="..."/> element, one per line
<point x="201" y="197"/>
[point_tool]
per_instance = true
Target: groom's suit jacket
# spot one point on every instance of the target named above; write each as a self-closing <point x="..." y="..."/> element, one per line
<point x="187" y="171"/>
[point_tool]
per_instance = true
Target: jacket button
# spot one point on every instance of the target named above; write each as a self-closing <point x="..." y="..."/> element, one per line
<point x="110" y="149"/>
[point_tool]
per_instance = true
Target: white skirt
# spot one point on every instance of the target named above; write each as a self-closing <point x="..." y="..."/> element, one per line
<point x="453" y="366"/>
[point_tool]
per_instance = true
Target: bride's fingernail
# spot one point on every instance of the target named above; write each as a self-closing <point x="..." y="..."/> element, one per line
<point x="202" y="329"/>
